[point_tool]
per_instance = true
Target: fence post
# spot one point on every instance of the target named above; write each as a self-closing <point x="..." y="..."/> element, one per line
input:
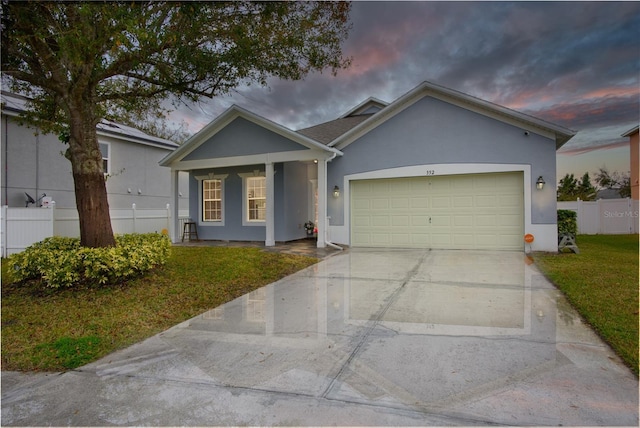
<point x="133" y="208"/>
<point x="3" y="232"/>
<point x="169" y="219"/>
<point x="629" y="216"/>
<point x="601" y="225"/>
<point x="51" y="208"/>
<point x="580" y="215"/>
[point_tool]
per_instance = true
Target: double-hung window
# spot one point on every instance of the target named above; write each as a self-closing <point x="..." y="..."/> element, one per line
<point x="211" y="203"/>
<point x="212" y="200"/>
<point x="256" y="199"/>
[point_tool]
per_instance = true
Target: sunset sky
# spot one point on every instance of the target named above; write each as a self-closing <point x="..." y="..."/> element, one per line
<point x="576" y="64"/>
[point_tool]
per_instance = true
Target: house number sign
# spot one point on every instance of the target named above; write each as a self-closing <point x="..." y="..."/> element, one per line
<point x="431" y="172"/>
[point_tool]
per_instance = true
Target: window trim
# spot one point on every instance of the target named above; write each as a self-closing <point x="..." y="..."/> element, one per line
<point x="245" y="198"/>
<point x="203" y="213"/>
<point x="106" y="172"/>
<point x="201" y="179"/>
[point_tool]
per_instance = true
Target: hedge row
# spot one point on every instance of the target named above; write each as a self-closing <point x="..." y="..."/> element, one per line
<point x="62" y="262"/>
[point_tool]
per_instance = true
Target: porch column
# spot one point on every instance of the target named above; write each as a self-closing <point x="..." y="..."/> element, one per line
<point x="270" y="214"/>
<point x="174" y="224"/>
<point x="322" y="202"/>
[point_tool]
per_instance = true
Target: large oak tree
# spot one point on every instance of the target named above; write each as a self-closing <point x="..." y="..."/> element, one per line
<point x="81" y="62"/>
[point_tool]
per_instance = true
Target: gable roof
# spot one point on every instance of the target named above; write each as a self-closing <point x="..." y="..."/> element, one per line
<point x="14" y="105"/>
<point x="504" y="114"/>
<point x="226" y="118"/>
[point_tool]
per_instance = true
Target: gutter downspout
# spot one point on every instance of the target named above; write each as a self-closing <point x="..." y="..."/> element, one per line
<point x="326" y="227"/>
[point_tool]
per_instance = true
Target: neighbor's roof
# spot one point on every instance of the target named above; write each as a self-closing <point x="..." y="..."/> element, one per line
<point x="631" y="131"/>
<point x="14" y="105"/>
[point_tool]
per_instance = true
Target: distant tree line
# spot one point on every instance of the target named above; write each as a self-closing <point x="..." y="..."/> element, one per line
<point x="571" y="189"/>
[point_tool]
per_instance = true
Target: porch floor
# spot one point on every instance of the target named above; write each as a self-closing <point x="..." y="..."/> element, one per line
<point x="302" y="247"/>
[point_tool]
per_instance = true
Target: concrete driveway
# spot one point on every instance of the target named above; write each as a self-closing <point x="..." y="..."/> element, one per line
<point x="405" y="337"/>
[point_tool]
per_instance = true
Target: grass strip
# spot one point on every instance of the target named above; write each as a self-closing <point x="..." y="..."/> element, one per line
<point x="602" y="284"/>
<point x="53" y="330"/>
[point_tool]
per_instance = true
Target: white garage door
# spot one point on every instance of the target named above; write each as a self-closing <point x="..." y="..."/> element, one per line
<point x="469" y="211"/>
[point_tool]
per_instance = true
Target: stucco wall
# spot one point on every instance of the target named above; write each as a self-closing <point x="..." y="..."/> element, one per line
<point x="35" y="164"/>
<point x="291" y="201"/>
<point x="255" y="140"/>
<point x="434" y="132"/>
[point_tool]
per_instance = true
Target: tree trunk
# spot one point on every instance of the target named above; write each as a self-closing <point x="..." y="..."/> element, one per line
<point x="89" y="180"/>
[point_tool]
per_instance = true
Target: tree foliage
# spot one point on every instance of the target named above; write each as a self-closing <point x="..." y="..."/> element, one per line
<point x="81" y="62"/>
<point x="615" y="180"/>
<point x="570" y="189"/>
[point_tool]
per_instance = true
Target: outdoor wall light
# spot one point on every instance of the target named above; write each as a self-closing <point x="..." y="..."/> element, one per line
<point x="540" y="183"/>
<point x="336" y="192"/>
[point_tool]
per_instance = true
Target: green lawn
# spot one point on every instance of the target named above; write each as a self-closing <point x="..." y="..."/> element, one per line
<point x="63" y="329"/>
<point x="602" y="284"/>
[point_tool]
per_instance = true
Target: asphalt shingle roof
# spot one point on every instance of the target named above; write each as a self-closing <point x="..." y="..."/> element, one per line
<point x="329" y="131"/>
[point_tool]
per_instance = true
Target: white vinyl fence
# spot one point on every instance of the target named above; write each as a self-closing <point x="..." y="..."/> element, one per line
<point x="21" y="227"/>
<point x="605" y="216"/>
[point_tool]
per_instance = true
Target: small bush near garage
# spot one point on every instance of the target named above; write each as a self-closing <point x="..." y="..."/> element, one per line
<point x="567" y="222"/>
<point x="61" y="262"/>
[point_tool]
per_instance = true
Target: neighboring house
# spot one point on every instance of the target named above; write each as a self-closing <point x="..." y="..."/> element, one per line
<point x="33" y="163"/>
<point x="612" y="193"/>
<point x="434" y="169"/>
<point x="634" y="143"/>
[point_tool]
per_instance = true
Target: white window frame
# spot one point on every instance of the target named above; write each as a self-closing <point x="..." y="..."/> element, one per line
<point x="245" y="198"/>
<point x="201" y="179"/>
<point x="214" y="199"/>
<point x="107" y="158"/>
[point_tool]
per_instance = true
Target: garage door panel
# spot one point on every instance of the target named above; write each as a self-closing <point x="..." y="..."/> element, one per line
<point x="464" y="240"/>
<point x="463" y="201"/>
<point x="361" y="204"/>
<point x="418" y="203"/>
<point x="489" y="220"/>
<point x="510" y="201"/>
<point x="439" y="240"/>
<point x="380" y="221"/>
<point x="380" y="239"/>
<point x="380" y="204"/>
<point x="419" y="220"/>
<point x="509" y="220"/>
<point x="488" y="201"/>
<point x="400" y="239"/>
<point x="463" y="221"/>
<point x="401" y="221"/>
<point x="361" y="222"/>
<point x="436" y="186"/>
<point x="474" y="211"/>
<point x="399" y="203"/>
<point x="421" y="239"/>
<point x="441" y="202"/>
<point x="440" y="221"/>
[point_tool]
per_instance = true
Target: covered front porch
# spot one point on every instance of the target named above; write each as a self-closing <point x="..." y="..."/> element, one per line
<point x="251" y="179"/>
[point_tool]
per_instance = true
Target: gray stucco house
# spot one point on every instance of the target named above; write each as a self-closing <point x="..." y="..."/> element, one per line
<point x="32" y="162"/>
<point x="434" y="169"/>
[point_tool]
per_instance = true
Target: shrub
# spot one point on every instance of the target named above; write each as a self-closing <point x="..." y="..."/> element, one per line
<point x="62" y="262"/>
<point x="567" y="222"/>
